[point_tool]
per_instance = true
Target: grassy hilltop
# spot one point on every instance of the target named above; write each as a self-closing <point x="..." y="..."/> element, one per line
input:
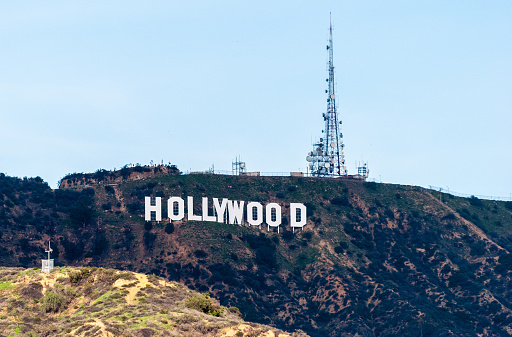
<point x="373" y="259"/>
<point x="107" y="302"/>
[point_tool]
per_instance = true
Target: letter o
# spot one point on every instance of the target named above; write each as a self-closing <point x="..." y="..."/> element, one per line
<point x="181" y="208"/>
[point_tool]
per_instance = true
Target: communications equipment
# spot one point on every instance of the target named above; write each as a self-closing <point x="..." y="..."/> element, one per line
<point x="327" y="158"/>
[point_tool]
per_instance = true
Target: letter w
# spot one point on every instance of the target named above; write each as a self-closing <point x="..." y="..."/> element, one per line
<point x="236" y="212"/>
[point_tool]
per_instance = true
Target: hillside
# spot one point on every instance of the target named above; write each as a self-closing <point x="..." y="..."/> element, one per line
<point x="107" y="302"/>
<point x="373" y="259"/>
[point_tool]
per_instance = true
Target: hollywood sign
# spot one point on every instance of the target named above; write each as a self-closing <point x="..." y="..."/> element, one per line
<point x="226" y="211"/>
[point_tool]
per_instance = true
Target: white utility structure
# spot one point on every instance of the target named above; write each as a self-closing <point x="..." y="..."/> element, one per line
<point x="48" y="264"/>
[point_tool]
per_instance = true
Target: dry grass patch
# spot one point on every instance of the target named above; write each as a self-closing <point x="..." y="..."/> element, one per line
<point x="106" y="302"/>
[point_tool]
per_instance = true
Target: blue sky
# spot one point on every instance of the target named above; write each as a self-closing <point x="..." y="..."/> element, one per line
<point x="424" y="87"/>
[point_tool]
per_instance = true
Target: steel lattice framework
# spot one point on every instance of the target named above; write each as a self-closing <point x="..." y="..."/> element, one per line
<point x="327" y="158"/>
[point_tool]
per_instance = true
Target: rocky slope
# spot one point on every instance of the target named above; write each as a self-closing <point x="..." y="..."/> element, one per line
<point x="373" y="259"/>
<point x="108" y="302"/>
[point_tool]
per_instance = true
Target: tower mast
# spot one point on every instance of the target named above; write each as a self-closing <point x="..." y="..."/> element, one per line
<point x="328" y="159"/>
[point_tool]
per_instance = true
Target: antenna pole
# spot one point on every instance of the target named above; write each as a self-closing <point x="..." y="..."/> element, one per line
<point x="47" y="265"/>
<point x="327" y="159"/>
<point x="334" y="141"/>
<point x="49" y="250"/>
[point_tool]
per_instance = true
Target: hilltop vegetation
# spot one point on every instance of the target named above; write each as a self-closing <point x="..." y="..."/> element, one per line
<point x="373" y="259"/>
<point x="107" y="302"/>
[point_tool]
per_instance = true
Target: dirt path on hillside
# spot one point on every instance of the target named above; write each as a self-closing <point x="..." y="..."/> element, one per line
<point x="48" y="279"/>
<point x="103" y="330"/>
<point x="141" y="282"/>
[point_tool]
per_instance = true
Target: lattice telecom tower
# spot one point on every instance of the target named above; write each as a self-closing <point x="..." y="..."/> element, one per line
<point x="327" y="158"/>
<point x="238" y="167"/>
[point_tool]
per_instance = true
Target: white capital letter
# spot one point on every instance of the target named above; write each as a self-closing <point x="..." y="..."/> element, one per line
<point x="277" y="209"/>
<point x="254" y="218"/>
<point x="297" y="215"/>
<point x="153" y="208"/>
<point x="207" y="217"/>
<point x="220" y="209"/>
<point x="181" y="208"/>
<point x="236" y="212"/>
<point x="190" y="205"/>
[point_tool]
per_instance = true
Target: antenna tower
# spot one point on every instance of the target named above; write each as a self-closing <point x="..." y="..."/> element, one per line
<point x="327" y="158"/>
<point x="238" y="167"/>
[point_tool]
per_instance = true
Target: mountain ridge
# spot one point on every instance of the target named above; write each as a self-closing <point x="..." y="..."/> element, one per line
<point x="373" y="259"/>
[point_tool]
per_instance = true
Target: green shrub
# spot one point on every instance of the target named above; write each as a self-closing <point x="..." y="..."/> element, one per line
<point x="504" y="264"/>
<point x="110" y="189"/>
<point x="52" y="302"/>
<point x="200" y="254"/>
<point x="100" y="244"/>
<point x="449" y="216"/>
<point x="307" y="235"/>
<point x="389" y="214"/>
<point x="169" y="228"/>
<point x="266" y="256"/>
<point x="75" y="277"/>
<point x="235" y="310"/>
<point x="200" y="302"/>
<point x="216" y="312"/>
<point x="464" y="213"/>
<point x="288" y="235"/>
<point x="340" y="201"/>
<point x="149" y="241"/>
<point x="474" y="201"/>
<point x="477" y="248"/>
